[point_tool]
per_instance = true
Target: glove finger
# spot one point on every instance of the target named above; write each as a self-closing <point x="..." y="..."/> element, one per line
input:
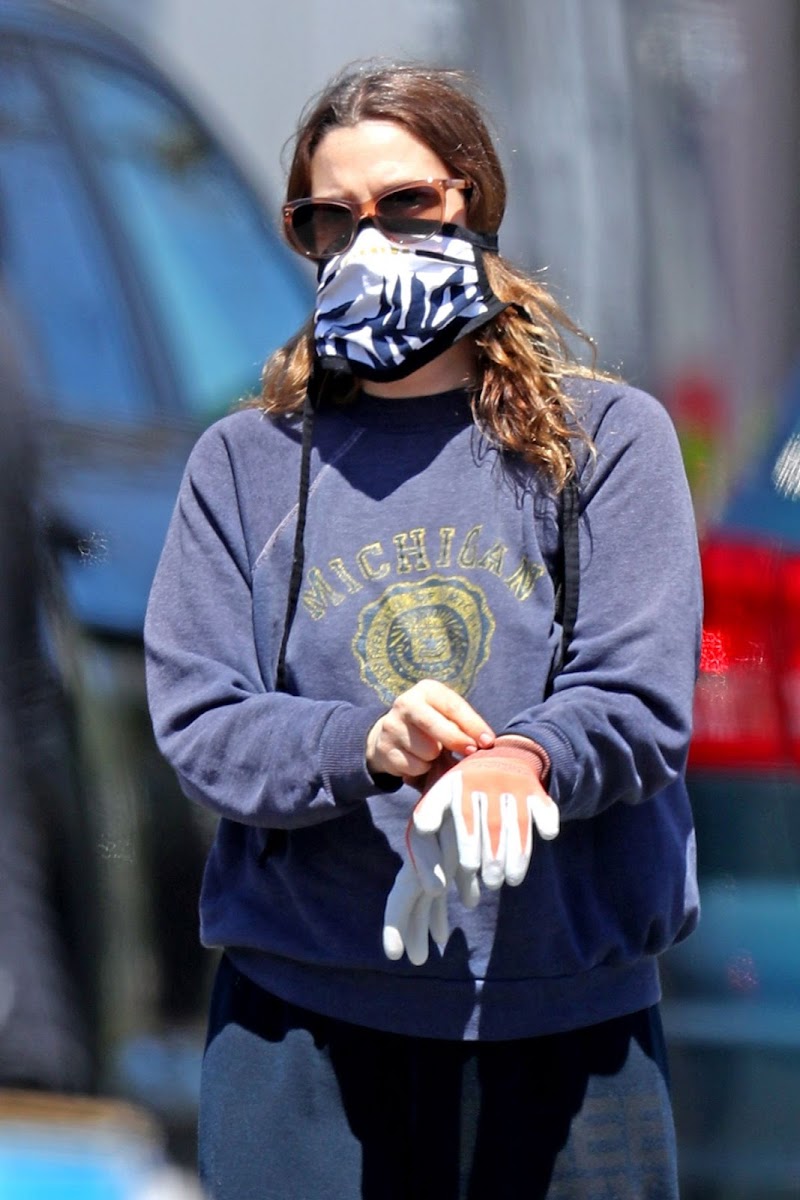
<point x="494" y="833"/>
<point x="431" y="807"/>
<point x="427" y="859"/>
<point x="417" y="929"/>
<point x="448" y="844"/>
<point x="519" y="839"/>
<point x="545" y="815"/>
<point x="397" y="913"/>
<point x="466" y="818"/>
<point x="469" y="889"/>
<point x="438" y="921"/>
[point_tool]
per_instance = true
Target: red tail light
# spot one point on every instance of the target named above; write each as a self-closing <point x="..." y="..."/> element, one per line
<point x="747" y="703"/>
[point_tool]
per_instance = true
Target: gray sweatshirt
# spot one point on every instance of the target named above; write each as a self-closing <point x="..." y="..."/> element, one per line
<point x="429" y="554"/>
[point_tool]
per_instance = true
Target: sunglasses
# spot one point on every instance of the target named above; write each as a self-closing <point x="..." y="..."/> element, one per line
<point x="321" y="228"/>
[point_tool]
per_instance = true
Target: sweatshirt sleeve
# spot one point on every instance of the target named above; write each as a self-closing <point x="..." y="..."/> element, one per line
<point x="247" y="752"/>
<point x="617" y="725"/>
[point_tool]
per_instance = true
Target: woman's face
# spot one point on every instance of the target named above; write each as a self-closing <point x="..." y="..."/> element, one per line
<point x="357" y="162"/>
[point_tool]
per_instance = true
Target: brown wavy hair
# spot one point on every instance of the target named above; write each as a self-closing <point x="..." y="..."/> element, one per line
<point x="522" y="353"/>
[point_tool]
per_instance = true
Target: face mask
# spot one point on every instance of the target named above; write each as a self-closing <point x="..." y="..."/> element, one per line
<point x="384" y="310"/>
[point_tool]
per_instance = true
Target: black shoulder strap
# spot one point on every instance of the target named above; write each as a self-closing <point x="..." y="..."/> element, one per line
<point x="568" y="575"/>
<point x="298" y="556"/>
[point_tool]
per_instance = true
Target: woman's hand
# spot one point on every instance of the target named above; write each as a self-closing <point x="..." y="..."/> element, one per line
<point x="496" y="799"/>
<point x="424" y="721"/>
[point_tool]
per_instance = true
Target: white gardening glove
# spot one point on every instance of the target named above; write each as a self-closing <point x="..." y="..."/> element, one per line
<point x="417" y="904"/>
<point x="496" y="798"/>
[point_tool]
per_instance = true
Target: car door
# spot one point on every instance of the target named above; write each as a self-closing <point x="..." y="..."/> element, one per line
<point x="141" y="289"/>
<point x="148" y="290"/>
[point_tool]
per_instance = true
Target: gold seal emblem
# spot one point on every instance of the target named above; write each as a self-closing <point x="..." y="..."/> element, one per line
<point x="434" y="628"/>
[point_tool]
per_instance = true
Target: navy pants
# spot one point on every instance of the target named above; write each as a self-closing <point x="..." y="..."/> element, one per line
<point x="298" y="1106"/>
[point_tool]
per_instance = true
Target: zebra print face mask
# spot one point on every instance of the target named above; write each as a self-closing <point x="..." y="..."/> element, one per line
<point x="383" y="310"/>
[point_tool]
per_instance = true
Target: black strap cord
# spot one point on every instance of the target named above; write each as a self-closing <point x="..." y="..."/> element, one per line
<point x="568" y="574"/>
<point x="298" y="555"/>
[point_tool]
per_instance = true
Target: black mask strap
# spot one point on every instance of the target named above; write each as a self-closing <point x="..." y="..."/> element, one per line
<point x="310" y="403"/>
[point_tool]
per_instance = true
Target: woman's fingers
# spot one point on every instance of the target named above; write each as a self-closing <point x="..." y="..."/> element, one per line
<point x="398" y="749"/>
<point x="444" y="716"/>
<point x="423" y="721"/>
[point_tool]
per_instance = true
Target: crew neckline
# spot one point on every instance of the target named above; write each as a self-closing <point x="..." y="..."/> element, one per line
<point x="410" y="413"/>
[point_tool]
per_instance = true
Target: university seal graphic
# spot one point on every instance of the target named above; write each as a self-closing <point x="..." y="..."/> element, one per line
<point x="434" y="628"/>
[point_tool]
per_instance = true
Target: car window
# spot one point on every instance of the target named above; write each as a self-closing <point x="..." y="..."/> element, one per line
<point x="225" y="289"/>
<point x="62" y="301"/>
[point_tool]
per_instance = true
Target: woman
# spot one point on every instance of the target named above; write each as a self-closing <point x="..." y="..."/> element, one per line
<point x="351" y="647"/>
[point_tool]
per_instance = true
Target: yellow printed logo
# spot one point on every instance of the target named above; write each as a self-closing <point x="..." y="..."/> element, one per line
<point x="435" y="628"/>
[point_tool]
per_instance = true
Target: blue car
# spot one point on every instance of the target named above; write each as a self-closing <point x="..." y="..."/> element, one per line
<point x="142" y="286"/>
<point x="732" y="1012"/>
<point x="145" y="285"/>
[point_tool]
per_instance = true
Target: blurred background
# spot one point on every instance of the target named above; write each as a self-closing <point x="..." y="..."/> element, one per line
<point x="652" y="153"/>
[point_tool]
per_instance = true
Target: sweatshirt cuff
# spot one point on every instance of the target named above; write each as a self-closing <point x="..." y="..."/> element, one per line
<point x="342" y="755"/>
